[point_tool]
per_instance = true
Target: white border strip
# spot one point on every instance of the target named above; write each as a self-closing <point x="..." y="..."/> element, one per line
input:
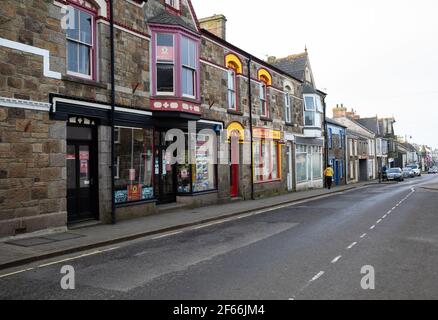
<point x="34" y="50"/>
<point x="24" y="104"/>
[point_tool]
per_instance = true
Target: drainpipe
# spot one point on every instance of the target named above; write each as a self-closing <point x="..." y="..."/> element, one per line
<point x="251" y="127"/>
<point x="325" y="139"/>
<point x="113" y="102"/>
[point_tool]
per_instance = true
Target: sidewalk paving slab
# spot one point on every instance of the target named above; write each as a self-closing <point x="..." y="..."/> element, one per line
<point x="100" y="235"/>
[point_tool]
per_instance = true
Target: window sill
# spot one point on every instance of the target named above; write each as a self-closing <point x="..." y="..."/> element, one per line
<point x="235" y="112"/>
<point x="135" y="203"/>
<point x="266" y="119"/>
<point x="267" y="181"/>
<point x="87" y="82"/>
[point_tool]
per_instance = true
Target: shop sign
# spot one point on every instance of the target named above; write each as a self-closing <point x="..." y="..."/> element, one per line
<point x="263" y="133"/>
<point x="165" y="53"/>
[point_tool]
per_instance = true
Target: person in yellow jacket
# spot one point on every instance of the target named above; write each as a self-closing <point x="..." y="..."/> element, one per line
<point x="328" y="174"/>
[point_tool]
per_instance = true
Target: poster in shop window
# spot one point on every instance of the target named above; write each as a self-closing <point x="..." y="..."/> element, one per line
<point x="134" y="192"/>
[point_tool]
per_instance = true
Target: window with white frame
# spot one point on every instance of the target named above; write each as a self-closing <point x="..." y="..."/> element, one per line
<point x="165" y="56"/>
<point x="232" y="93"/>
<point x="288" y="104"/>
<point x="308" y="163"/>
<point x="188" y="56"/>
<point x="313" y="110"/>
<point x="266" y="160"/>
<point x="80" y="43"/>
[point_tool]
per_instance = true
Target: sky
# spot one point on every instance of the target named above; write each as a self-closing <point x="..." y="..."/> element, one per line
<point x="379" y="57"/>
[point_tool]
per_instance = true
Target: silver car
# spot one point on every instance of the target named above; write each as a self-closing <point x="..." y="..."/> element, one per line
<point x="408" y="173"/>
<point x="395" y="174"/>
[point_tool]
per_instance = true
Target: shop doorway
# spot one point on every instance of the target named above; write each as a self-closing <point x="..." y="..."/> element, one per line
<point x="234" y="163"/>
<point x="82" y="182"/>
<point x="165" y="172"/>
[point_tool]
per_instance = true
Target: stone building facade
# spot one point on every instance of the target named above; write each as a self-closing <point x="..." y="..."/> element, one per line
<point x="171" y="73"/>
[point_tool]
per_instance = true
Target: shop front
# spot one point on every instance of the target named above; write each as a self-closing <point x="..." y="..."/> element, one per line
<point x="309" y="163"/>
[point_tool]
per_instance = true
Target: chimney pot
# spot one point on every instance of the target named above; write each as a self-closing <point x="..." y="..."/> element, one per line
<point x="216" y="24"/>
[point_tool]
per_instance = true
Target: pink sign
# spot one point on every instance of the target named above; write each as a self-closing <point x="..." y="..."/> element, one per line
<point x="165" y="53"/>
<point x="131" y="174"/>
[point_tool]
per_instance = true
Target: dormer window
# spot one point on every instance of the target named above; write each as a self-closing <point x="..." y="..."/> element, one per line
<point x="174" y="4"/>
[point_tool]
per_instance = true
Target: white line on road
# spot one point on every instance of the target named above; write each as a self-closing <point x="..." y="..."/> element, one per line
<point x="319" y="275"/>
<point x="167" y="235"/>
<point x="373" y="227"/>
<point x="363" y="236"/>
<point x="384" y="217"/>
<point x="378" y="221"/>
<point x="389" y="212"/>
<point x="336" y="259"/>
<point x="351" y="245"/>
<point x="16" y="272"/>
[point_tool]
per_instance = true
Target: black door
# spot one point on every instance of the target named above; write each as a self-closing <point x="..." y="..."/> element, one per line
<point x="165" y="172"/>
<point x="81" y="180"/>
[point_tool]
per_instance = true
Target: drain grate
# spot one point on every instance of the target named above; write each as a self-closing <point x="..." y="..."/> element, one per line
<point x="37" y="241"/>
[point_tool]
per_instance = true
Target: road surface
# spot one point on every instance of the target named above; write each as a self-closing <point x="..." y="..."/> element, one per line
<point x="310" y="250"/>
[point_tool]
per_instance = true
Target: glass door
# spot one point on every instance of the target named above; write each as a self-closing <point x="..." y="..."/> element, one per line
<point x="165" y="171"/>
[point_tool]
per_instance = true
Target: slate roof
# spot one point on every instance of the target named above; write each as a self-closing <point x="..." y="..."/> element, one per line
<point x="334" y="122"/>
<point x="371" y="124"/>
<point x="295" y="65"/>
<point x="170" y="19"/>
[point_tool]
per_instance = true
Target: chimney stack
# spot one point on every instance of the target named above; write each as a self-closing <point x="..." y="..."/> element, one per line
<point x="216" y="24"/>
<point x="339" y="112"/>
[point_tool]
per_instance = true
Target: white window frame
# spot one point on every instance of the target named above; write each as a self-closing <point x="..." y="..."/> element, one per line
<point x="287" y="107"/>
<point x="174" y="4"/>
<point x="191" y="68"/>
<point x="232" y="89"/>
<point x="91" y="47"/>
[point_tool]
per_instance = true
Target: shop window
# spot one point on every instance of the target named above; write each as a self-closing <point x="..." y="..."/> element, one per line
<point x="134" y="162"/>
<point x="308" y="163"/>
<point x="266" y="160"/>
<point x="201" y="176"/>
<point x="80" y="42"/>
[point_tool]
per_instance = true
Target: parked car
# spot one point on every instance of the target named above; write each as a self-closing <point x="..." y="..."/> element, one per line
<point x="416" y="169"/>
<point x="433" y="170"/>
<point x="408" y="173"/>
<point x="395" y="174"/>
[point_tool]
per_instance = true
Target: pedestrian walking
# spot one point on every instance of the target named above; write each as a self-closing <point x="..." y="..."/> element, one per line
<point x="328" y="174"/>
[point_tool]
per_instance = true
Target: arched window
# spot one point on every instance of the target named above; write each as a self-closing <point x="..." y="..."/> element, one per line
<point x="264" y="105"/>
<point x="81" y="35"/>
<point x="232" y="86"/>
<point x="288" y="104"/>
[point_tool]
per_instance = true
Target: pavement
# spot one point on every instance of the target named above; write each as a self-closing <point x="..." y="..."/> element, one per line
<point x="15" y="252"/>
<point x="310" y="249"/>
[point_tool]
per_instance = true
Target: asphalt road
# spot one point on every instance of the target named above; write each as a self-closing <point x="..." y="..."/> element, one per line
<point x="311" y="250"/>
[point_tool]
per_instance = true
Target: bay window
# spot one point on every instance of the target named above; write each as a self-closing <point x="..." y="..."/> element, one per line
<point x="165" y="63"/>
<point x="80" y="42"/>
<point x="173" y="3"/>
<point x="313" y="110"/>
<point x="176" y="65"/>
<point x="134" y="160"/>
<point x="266" y="160"/>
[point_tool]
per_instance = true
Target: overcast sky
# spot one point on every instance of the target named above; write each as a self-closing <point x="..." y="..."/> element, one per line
<point x="379" y="57"/>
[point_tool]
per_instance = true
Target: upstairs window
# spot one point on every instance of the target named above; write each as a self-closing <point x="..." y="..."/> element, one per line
<point x="264" y="108"/>
<point x="188" y="56"/>
<point x="288" y="105"/>
<point x="173" y="3"/>
<point x="232" y="93"/>
<point x="165" y="64"/>
<point x="313" y="110"/>
<point x="80" y="43"/>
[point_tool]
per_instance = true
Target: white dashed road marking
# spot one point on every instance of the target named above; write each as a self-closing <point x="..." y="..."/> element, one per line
<point x="335" y="260"/>
<point x="319" y="275"/>
<point x="351" y="245"/>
